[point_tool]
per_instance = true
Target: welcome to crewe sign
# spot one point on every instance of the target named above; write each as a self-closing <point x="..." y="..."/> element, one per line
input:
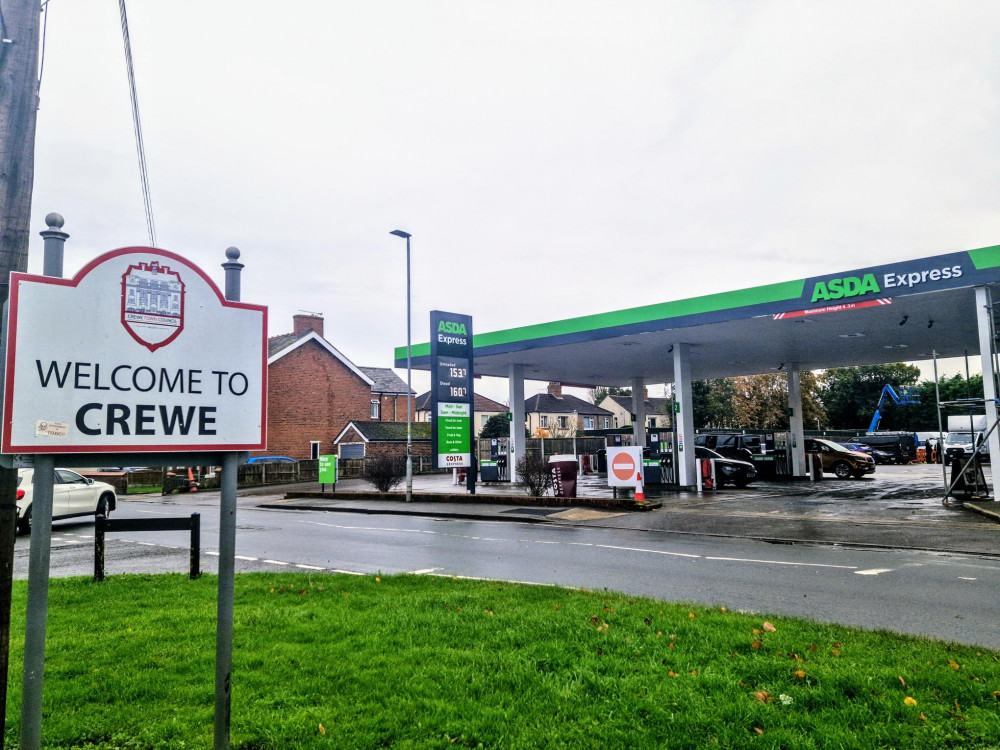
<point x="138" y="352"/>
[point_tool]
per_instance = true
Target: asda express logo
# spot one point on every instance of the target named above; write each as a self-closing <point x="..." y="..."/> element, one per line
<point x="855" y="286"/>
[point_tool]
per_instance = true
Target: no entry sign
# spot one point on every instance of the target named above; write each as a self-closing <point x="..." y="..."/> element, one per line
<point x="624" y="465"/>
<point x="138" y="352"/>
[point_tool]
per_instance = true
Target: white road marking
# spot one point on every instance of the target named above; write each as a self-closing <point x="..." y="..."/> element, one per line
<point x="244" y="557"/>
<point x="211" y="552"/>
<point x="782" y="562"/>
<point x="873" y="571"/>
<point x="650" y="551"/>
<point x="424" y="572"/>
<point x="963" y="578"/>
<point x="275" y="562"/>
<point x="308" y="567"/>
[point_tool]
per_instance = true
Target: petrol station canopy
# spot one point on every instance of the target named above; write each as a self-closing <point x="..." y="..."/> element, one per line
<point x="904" y="311"/>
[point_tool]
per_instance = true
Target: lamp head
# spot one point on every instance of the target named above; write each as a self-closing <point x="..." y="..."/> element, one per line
<point x="400" y="233"/>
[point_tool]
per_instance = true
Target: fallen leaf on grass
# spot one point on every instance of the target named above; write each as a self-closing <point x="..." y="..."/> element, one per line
<point x="762" y="696"/>
<point x="996" y="694"/>
<point x="800" y="673"/>
<point x="322" y="729"/>
<point x="910" y="701"/>
<point x="758" y="730"/>
<point x="488" y="611"/>
<point x="723" y="609"/>
<point x="836" y="652"/>
<point x="378" y="579"/>
<point x="921" y="716"/>
<point x="691" y="615"/>
<point x="812" y="646"/>
<point x="769" y="627"/>
<point x="955" y="716"/>
<point x="647" y="622"/>
<point x="756" y="632"/>
<point x="672" y="673"/>
<point x="902" y="680"/>
<point x="755" y="644"/>
<point x="954" y="665"/>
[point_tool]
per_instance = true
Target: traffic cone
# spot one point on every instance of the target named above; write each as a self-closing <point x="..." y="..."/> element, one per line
<point x="639" y="497"/>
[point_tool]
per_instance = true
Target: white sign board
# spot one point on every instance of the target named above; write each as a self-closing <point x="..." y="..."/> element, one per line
<point x="139" y="351"/>
<point x="624" y="467"/>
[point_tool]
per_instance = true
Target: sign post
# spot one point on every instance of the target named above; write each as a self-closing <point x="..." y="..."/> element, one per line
<point x="328" y="471"/>
<point x="452" y="397"/>
<point x="139" y="354"/>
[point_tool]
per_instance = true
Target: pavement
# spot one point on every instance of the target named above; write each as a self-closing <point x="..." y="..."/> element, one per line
<point x="899" y="507"/>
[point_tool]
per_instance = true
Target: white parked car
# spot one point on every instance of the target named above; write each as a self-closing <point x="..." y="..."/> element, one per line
<point x="72" y="495"/>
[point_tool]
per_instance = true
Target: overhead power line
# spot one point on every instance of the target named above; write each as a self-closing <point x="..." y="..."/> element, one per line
<point x="137" y="127"/>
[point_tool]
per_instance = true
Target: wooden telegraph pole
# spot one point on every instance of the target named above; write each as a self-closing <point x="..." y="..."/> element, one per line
<point x="19" y="26"/>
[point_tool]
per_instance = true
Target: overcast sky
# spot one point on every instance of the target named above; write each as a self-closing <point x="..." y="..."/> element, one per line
<point x="551" y="159"/>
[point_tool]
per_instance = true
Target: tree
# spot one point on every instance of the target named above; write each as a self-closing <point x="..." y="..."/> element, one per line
<point x="850" y="394"/>
<point x="384" y="472"/>
<point x="601" y="392"/>
<point x="535" y="473"/>
<point x="923" y="417"/>
<point x="498" y="426"/>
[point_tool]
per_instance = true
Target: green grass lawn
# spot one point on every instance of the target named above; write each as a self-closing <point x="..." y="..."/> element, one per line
<point x="326" y="661"/>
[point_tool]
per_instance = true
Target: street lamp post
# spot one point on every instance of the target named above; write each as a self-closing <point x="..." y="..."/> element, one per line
<point x="409" y="389"/>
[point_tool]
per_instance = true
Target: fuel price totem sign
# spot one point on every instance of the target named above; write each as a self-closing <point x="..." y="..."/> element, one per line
<point x="451" y="389"/>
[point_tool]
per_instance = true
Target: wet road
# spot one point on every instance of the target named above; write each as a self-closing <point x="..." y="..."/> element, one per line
<point x="949" y="596"/>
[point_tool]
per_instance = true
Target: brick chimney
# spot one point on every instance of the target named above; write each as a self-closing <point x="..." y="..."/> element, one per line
<point x="555" y="389"/>
<point x="302" y="323"/>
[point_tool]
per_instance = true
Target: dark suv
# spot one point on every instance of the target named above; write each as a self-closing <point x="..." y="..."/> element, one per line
<point x="732" y="445"/>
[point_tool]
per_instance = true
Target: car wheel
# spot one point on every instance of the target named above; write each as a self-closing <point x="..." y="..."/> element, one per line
<point x="24" y="522"/>
<point x="103" y="506"/>
<point x="842" y="469"/>
<point x="857" y="474"/>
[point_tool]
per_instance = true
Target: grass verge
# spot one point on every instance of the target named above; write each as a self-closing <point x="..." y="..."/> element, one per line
<point x="422" y="662"/>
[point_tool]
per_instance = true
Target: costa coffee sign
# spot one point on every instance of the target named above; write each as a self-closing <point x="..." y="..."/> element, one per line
<point x="139" y="351"/>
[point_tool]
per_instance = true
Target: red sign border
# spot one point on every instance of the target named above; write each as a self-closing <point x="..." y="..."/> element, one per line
<point x="17" y="277"/>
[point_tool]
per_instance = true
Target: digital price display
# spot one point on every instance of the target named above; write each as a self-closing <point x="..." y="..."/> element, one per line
<point x="453" y="379"/>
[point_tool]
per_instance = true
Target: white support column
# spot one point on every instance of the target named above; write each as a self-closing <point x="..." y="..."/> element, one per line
<point x="639" y="409"/>
<point x="795" y="422"/>
<point x="684" y="420"/>
<point x="983" y="314"/>
<point x="515" y="382"/>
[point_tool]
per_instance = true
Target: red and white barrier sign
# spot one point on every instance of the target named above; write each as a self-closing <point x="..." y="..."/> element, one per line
<point x="624" y="466"/>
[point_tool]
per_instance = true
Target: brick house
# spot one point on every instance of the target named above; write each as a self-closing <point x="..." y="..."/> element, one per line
<point x="554" y="414"/>
<point x="314" y="391"/>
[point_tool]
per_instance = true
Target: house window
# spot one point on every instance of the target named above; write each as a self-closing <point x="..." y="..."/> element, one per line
<point x="588" y="423"/>
<point x="376" y="408"/>
<point x="543" y="421"/>
<point x="607" y="423"/>
<point x="483" y="419"/>
<point x="563" y="423"/>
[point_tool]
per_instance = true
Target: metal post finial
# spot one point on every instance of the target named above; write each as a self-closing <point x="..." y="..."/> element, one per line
<point x="55" y="243"/>
<point x="233" y="268"/>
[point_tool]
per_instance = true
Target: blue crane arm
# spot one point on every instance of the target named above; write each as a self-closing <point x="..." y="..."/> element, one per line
<point x="905" y="399"/>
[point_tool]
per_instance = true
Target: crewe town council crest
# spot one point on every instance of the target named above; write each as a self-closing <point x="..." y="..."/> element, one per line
<point x="152" y="304"/>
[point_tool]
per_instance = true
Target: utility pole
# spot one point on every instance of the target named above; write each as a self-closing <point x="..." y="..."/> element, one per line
<point x="19" y="26"/>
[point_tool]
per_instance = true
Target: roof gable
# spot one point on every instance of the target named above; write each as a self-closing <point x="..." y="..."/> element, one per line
<point x="285" y="346"/>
